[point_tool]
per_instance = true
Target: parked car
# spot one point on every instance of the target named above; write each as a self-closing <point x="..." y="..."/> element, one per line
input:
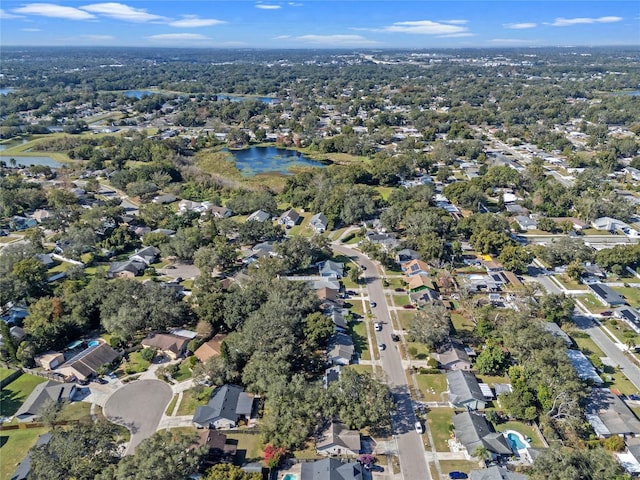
<point x="633" y="396"/>
<point x="457" y="475"/>
<point x="409" y="306"/>
<point x="419" y="428"/>
<point x="374" y="304"/>
<point x="382" y="346"/>
<point x="99" y="380"/>
<point x="395" y="337"/>
<point x="606" y="314"/>
<point x="377" y="326"/>
<point x="351" y="292"/>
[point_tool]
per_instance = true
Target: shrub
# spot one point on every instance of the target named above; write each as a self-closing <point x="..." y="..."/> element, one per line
<point x="148" y="354"/>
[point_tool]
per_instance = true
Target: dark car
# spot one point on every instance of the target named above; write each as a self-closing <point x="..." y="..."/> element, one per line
<point x="606" y="314"/>
<point x="372" y="467"/>
<point x="635" y="397"/>
<point x="395" y="337"/>
<point x="382" y="346"/>
<point x="99" y="380"/>
<point x="374" y="304"/>
<point x="409" y="306"/>
<point x="363" y="267"/>
<point x="351" y="292"/>
<point x="399" y="289"/>
<point x="457" y="475"/>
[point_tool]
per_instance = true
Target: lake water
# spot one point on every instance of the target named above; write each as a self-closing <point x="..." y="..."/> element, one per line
<point x="221" y="96"/>
<point x="26" y="161"/>
<point x="12" y="143"/>
<point x="629" y="93"/>
<point x="4" y="91"/>
<point x="140" y="93"/>
<point x="255" y="160"/>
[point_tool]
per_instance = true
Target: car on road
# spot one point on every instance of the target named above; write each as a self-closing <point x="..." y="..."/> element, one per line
<point x="382" y="346"/>
<point x="455" y="475"/>
<point x="395" y="337"/>
<point x="419" y="428"/>
<point x="372" y="467"/>
<point x="363" y="267"/>
<point x="633" y="396"/>
<point x="374" y="304"/>
<point x="606" y="314"/>
<point x="99" y="380"/>
<point x="377" y="326"/>
<point x="351" y="292"/>
<point x="399" y="289"/>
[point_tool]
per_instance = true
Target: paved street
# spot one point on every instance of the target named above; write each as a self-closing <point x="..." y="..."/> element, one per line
<point x="139" y="406"/>
<point x="411" y="451"/>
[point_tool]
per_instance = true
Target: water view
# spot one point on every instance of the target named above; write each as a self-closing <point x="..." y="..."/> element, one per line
<point x="12" y="143"/>
<point x="26" y="161"/>
<point x="255" y="160"/>
<point x="141" y="93"/>
<point x="221" y="96"/>
<point x="5" y="91"/>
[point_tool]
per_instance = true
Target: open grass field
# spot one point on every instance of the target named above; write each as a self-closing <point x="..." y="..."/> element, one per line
<point x="591" y="303"/>
<point x="631" y="294"/>
<point x="190" y="401"/>
<point x="439" y="420"/>
<point x="417" y="351"/>
<point x="405" y="317"/>
<point x="14" y="445"/>
<point x="458" y="465"/>
<point x="14" y="394"/>
<point x="249" y="447"/>
<point x="361" y="368"/>
<point x="461" y="324"/>
<point x="80" y="411"/>
<point x="5" y="372"/>
<point x="432" y="386"/>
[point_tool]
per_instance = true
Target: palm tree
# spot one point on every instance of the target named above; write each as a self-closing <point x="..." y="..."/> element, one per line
<point x="13" y="162"/>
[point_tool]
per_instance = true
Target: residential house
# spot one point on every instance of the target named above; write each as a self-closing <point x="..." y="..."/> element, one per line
<point x="332" y="269"/>
<point x="416" y="283"/>
<point x="630" y="459"/>
<point x="388" y="241"/>
<point x="147" y="255"/>
<point x="454" y="358"/>
<point x="513" y="208"/>
<point x="84" y="364"/>
<point x="576" y="223"/>
<point x="331" y="374"/>
<point x="289" y="219"/>
<point x="526" y="223"/>
<point x="423" y="297"/>
<point x="24" y="469"/>
<point x="609" y="415"/>
<point x="612" y="225"/>
<point x="126" y="269"/>
<point x="45" y="258"/>
<point x="164" y="199"/>
<point x="41" y="396"/>
<point x="18" y="223"/>
<point x="415" y="267"/>
<point x="496" y="472"/>
<point x="554" y="329"/>
<point x="227" y="405"/>
<point x="583" y="366"/>
<point x="474" y="431"/>
<point x="169" y="344"/>
<point x="15" y="314"/>
<point x="259" y="216"/>
<point x="41" y="215"/>
<point x="337" y="316"/>
<point x="341" y="349"/>
<point x="217" y="448"/>
<point x="220" y="212"/>
<point x="331" y="469"/>
<point x="337" y="439"/>
<point x="211" y="348"/>
<point x="606" y="295"/>
<point x="464" y="390"/>
<point x="319" y="223"/>
<point x="629" y="315"/>
<point x="406" y="255"/>
<point x="49" y="360"/>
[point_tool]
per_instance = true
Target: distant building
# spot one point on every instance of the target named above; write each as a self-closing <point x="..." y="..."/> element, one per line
<point x="609" y="415"/>
<point x="164" y="199"/>
<point x="319" y="223"/>
<point x="606" y="295"/>
<point x="289" y="219"/>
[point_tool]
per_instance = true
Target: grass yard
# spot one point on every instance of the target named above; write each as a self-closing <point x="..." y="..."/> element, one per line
<point x="439" y="420"/>
<point x="171" y="406"/>
<point x="460" y="323"/>
<point x="14" y="394"/>
<point x="135" y="364"/>
<point x="249" y="447"/>
<point x="405" y="317"/>
<point x="524" y="429"/>
<point x="5" y="372"/>
<point x="14" y="445"/>
<point x="588" y="346"/>
<point x="190" y="401"/>
<point x="458" y="465"/>
<point x="356" y="306"/>
<point x="431" y="386"/>
<point x="491" y="380"/>
<point x="631" y="294"/>
<point x="591" y="303"/>
<point x="75" y="411"/>
<point x="401" y="300"/>
<point x="395" y="282"/>
<point x="617" y="381"/>
<point x="184" y="373"/>
<point x="361" y="368"/>
<point x="417" y="351"/>
<point x="358" y="331"/>
<point x="570" y="283"/>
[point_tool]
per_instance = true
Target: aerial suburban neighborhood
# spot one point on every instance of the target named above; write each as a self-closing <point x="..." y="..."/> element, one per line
<point x="319" y="264"/>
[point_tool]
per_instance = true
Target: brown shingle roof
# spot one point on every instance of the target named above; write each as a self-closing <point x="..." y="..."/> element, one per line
<point x="166" y="342"/>
<point x="210" y="349"/>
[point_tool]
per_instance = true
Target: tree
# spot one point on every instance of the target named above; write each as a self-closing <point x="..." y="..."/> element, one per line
<point x="491" y="361"/>
<point x="273" y="456"/>
<point x="515" y="258"/>
<point x="163" y="456"/>
<point x="31" y="273"/>
<point x="80" y="451"/>
<point x="431" y="326"/>
<point x="228" y="471"/>
<point x="557" y="308"/>
<point x="576" y="464"/>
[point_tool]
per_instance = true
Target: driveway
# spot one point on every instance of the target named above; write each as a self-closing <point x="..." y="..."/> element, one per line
<point x="139" y="406"/>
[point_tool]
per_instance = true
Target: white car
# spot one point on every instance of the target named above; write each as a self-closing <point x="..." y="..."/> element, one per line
<point x="377" y="326"/>
<point x="419" y="428"/>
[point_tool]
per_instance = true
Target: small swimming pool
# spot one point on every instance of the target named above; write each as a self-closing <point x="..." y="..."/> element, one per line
<point x="93" y="343"/>
<point x="290" y="476"/>
<point x="516" y="440"/>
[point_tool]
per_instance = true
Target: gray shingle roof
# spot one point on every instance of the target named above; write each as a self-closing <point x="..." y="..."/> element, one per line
<point x="609" y="415"/>
<point x="330" y="469"/>
<point x="463" y="386"/>
<point x="228" y="402"/>
<point x="473" y="431"/>
<point x="495" y="473"/>
<point x="48" y="391"/>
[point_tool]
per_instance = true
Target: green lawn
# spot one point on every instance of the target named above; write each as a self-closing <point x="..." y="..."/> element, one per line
<point x="60" y="267"/>
<point x="358" y="331"/>
<point x="421" y="351"/>
<point x="524" y="429"/>
<point x="460" y="323"/>
<point x="591" y="303"/>
<point x="183" y="372"/>
<point x="190" y="402"/>
<point x="75" y="411"/>
<point x="249" y="447"/>
<point x="395" y="282"/>
<point x="439" y="420"/>
<point x="171" y="406"/>
<point x="458" y="465"/>
<point x="14" y="394"/>
<point x="431" y="386"/>
<point x="492" y="380"/>
<point x="14" y="445"/>
<point x="587" y="346"/>
<point x="570" y="283"/>
<point x="135" y="364"/>
<point x="361" y="368"/>
<point x="405" y="317"/>
<point x="401" y="300"/>
<point x="356" y="306"/>
<point x="5" y="372"/>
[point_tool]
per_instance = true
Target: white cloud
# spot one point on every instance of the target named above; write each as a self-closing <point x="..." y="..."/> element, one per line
<point x="54" y="11"/>
<point x="455" y="22"/>
<point x="263" y="6"/>
<point x="193" y="21"/>
<point x="520" y="26"/>
<point x="567" y="22"/>
<point x="31" y="29"/>
<point x="98" y="38"/>
<point x="425" y="27"/>
<point x="282" y="37"/>
<point x="457" y="35"/>
<point x="120" y="11"/>
<point x="4" y="15"/>
<point x="178" y="37"/>
<point x="337" y="40"/>
<point x="295" y="4"/>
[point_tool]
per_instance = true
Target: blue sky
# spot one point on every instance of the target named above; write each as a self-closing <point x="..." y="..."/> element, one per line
<point x="319" y="23"/>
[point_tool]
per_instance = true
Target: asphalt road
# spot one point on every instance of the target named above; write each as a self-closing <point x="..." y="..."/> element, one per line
<point x="611" y="350"/>
<point x="413" y="464"/>
<point x="139" y="406"/>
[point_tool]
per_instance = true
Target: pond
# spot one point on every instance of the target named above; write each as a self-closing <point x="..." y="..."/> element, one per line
<point x="5" y="91"/>
<point x="255" y="160"/>
<point x="26" y="161"/>
<point x="221" y="96"/>
<point x="141" y="93"/>
<point x="628" y="93"/>
<point x="12" y="143"/>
